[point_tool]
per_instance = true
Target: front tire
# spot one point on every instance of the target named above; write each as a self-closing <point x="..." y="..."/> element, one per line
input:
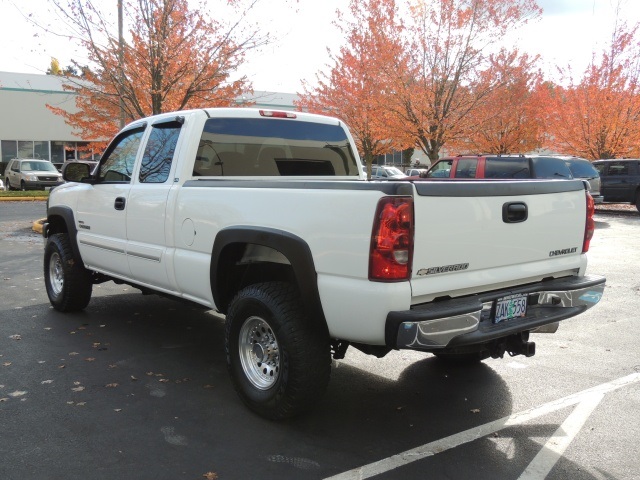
<point x="278" y="360"/>
<point x="68" y="283"/>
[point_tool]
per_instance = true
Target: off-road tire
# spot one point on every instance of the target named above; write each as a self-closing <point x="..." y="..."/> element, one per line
<point x="278" y="360"/>
<point x="68" y="283"/>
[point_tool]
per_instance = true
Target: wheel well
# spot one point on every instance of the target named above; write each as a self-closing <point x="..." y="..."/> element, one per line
<point x="57" y="224"/>
<point x="243" y="264"/>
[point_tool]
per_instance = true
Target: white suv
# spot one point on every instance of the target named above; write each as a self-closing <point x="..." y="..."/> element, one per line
<point x="31" y="174"/>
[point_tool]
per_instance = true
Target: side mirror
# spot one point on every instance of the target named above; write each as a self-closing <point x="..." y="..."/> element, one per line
<point x="76" y="171"/>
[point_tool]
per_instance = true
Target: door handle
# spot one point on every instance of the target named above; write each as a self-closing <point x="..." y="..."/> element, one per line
<point x="119" y="203"/>
<point x="514" y="212"/>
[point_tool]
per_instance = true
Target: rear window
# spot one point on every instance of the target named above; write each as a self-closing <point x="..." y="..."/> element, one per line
<point x="582" y="169"/>
<point x="550" y="167"/>
<point x="273" y="147"/>
<point x="507" y="168"/>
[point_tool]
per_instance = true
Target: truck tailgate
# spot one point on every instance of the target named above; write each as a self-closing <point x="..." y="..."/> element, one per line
<point x="479" y="235"/>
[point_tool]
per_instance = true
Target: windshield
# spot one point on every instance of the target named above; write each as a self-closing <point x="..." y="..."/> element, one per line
<point x="393" y="171"/>
<point x="34" y="166"/>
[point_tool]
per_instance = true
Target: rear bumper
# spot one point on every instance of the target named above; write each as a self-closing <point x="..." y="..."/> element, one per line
<point x="467" y="320"/>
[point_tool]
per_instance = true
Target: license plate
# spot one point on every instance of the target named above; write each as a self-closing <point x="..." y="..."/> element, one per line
<point x="508" y="308"/>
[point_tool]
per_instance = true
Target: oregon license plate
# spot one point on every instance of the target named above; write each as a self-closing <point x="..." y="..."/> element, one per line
<point x="510" y="307"/>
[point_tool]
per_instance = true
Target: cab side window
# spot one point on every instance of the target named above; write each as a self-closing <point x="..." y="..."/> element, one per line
<point x="158" y="154"/>
<point x="466" y="168"/>
<point x="618" y="168"/>
<point x="117" y="164"/>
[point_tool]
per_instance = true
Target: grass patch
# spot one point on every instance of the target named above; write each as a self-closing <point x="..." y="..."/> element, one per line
<point x="28" y="193"/>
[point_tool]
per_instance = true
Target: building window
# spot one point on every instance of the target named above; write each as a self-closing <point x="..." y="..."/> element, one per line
<point x="25" y="149"/>
<point x="41" y="150"/>
<point x="9" y="150"/>
<point x="57" y="152"/>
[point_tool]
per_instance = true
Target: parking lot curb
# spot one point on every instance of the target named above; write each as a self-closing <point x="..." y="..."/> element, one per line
<point x="22" y="199"/>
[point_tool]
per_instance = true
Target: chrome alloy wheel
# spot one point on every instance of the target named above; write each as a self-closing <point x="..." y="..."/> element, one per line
<point x="56" y="274"/>
<point x="259" y="353"/>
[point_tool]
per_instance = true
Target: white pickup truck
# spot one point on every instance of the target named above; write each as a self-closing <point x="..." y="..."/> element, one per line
<point x="268" y="218"/>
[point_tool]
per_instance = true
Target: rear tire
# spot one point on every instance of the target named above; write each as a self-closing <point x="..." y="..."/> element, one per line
<point x="7" y="184"/>
<point x="278" y="360"/>
<point x="68" y="283"/>
<point x="638" y="201"/>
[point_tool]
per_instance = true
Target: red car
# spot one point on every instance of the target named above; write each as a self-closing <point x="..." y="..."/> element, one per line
<point x="499" y="166"/>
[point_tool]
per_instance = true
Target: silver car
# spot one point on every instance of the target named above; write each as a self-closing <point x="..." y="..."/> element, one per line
<point x="31" y="174"/>
<point x="584" y="169"/>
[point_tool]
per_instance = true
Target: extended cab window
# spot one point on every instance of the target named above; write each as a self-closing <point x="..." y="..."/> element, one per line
<point x="273" y="147"/>
<point x="118" y="161"/>
<point x="158" y="154"/>
<point x="496" y="167"/>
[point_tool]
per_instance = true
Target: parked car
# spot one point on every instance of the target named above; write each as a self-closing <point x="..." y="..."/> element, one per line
<point x="386" y="172"/>
<point x="500" y="166"/>
<point x="415" y="172"/>
<point x="584" y="169"/>
<point x="31" y="174"/>
<point x="620" y="180"/>
<point x="1" y="185"/>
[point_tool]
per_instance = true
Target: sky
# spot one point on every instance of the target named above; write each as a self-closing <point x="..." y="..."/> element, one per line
<point x="566" y="34"/>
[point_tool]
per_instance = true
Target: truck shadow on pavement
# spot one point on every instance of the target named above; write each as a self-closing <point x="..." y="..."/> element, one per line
<point x="139" y="384"/>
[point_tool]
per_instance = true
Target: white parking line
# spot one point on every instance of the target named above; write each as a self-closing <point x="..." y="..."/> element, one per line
<point x="554" y="448"/>
<point x="586" y="399"/>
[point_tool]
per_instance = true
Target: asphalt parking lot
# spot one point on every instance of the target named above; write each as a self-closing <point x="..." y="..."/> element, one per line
<point x="136" y="387"/>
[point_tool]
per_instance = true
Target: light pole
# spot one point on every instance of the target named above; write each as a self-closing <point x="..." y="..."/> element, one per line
<point x="120" y="63"/>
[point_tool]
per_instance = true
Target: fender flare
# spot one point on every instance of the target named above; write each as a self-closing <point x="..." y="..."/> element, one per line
<point x="66" y="213"/>
<point x="291" y="246"/>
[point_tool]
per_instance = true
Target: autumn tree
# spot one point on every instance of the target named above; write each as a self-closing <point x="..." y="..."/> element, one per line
<point x="509" y="117"/>
<point x="355" y="89"/>
<point x="448" y="50"/>
<point x="173" y="58"/>
<point x="599" y="115"/>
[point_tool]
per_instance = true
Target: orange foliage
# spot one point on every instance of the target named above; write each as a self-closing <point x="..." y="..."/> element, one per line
<point x="599" y="116"/>
<point x="447" y="53"/>
<point x="176" y="59"/>
<point x="509" y="117"/>
<point x="356" y="89"/>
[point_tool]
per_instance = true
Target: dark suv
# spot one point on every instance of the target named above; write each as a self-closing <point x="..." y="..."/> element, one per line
<point x="499" y="166"/>
<point x="620" y="180"/>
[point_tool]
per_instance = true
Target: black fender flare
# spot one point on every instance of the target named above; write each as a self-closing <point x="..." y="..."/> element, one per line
<point x="66" y="213"/>
<point x="294" y="248"/>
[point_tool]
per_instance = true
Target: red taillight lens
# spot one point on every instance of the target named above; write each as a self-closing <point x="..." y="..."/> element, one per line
<point x="392" y="240"/>
<point x="590" y="224"/>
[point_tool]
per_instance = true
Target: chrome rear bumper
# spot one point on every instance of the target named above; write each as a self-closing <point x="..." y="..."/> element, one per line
<point x="468" y="320"/>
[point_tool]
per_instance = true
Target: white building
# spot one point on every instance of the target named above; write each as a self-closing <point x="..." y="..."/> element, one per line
<point x="28" y="129"/>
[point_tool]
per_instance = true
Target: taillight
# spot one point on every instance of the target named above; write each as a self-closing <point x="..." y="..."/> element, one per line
<point x="392" y="240"/>
<point x="590" y="224"/>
